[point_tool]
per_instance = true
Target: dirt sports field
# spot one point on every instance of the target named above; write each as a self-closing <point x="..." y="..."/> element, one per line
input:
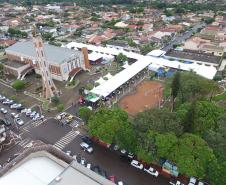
<point x="148" y="94"/>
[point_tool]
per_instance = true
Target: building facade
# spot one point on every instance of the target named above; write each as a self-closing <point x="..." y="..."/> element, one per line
<point x="61" y="60"/>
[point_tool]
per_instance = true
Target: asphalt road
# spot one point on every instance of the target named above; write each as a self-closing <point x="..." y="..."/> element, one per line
<point x="181" y="38"/>
<point x="110" y="162"/>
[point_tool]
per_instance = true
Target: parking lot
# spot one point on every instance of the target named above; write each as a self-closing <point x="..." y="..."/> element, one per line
<point x="64" y="133"/>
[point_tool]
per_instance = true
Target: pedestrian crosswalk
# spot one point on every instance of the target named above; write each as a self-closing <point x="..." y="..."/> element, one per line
<point x="24" y="142"/>
<point x="33" y="124"/>
<point x="66" y="139"/>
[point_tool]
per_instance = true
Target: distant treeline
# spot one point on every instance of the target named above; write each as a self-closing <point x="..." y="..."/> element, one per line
<point x="216" y="6"/>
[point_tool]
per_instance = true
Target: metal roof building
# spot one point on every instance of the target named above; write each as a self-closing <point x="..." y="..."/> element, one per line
<point x="62" y="61"/>
<point x="46" y="165"/>
<point x="54" y="54"/>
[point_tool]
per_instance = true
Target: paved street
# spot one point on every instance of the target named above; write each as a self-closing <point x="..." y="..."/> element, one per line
<point x="181" y="38"/>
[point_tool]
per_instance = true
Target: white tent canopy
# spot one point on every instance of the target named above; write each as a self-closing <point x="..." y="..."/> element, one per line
<point x="100" y="80"/>
<point x="108" y="76"/>
<point x="119" y="79"/>
<point x="205" y="71"/>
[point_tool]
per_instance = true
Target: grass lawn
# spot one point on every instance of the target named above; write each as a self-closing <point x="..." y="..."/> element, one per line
<point x="220" y="97"/>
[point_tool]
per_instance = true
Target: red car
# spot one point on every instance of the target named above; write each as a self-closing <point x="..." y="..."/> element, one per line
<point x="112" y="178"/>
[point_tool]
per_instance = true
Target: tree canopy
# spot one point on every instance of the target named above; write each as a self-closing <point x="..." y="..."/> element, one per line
<point x="199" y="117"/>
<point x="112" y="126"/>
<point x="85" y="113"/>
<point x="192" y="87"/>
<point x="18" y="85"/>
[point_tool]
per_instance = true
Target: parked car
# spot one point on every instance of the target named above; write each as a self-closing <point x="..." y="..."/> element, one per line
<point x="123" y="151"/>
<point x="86" y="147"/>
<point x="112" y="178"/>
<point x="103" y="173"/>
<point x="120" y="183"/>
<point x="88" y="165"/>
<point x="201" y="183"/>
<point x="68" y="152"/>
<point x="36" y="117"/>
<point x="86" y="139"/>
<point x="20" y="108"/>
<point x="19" y="121"/>
<point x="7" y="122"/>
<point x="83" y="161"/>
<point x="4" y="111"/>
<point x="130" y="155"/>
<point x="14" y="115"/>
<point x="61" y="115"/>
<point x="96" y="169"/>
<point x="14" y="106"/>
<point x="137" y="164"/>
<point x="2" y="98"/>
<point x="176" y="183"/>
<point x="7" y="102"/>
<point x="32" y="114"/>
<point x="28" y="112"/>
<point x="151" y="171"/>
<point x="192" y="181"/>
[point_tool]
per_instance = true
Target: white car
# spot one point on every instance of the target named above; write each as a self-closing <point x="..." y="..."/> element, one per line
<point x="14" y="106"/>
<point x="137" y="164"/>
<point x="130" y="155"/>
<point x="86" y="147"/>
<point x="36" y="117"/>
<point x="152" y="171"/>
<point x="192" y="181"/>
<point x="177" y="183"/>
<point x="14" y="115"/>
<point x="83" y="161"/>
<point x="88" y="165"/>
<point x="32" y="114"/>
<point x="61" y="115"/>
<point x="2" y="98"/>
<point x="68" y="153"/>
<point x="19" y="121"/>
<point x="28" y="112"/>
<point x="123" y="151"/>
<point x="24" y="110"/>
<point x="7" y="102"/>
<point x="4" y="111"/>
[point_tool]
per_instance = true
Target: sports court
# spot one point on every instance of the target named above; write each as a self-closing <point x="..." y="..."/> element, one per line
<point x="148" y="94"/>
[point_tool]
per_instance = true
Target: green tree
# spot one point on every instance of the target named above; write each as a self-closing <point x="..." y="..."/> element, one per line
<point x="199" y="117"/>
<point x="121" y="58"/>
<point x="55" y="100"/>
<point x="175" y="87"/>
<point x="194" y="87"/>
<point x="146" y="147"/>
<point x="112" y="126"/>
<point x="18" y="85"/>
<point x="47" y="36"/>
<point x="215" y="137"/>
<point x="160" y="120"/>
<point x="60" y="107"/>
<point x="192" y="155"/>
<point x="165" y="144"/>
<point x="85" y="113"/>
<point x="145" y="49"/>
